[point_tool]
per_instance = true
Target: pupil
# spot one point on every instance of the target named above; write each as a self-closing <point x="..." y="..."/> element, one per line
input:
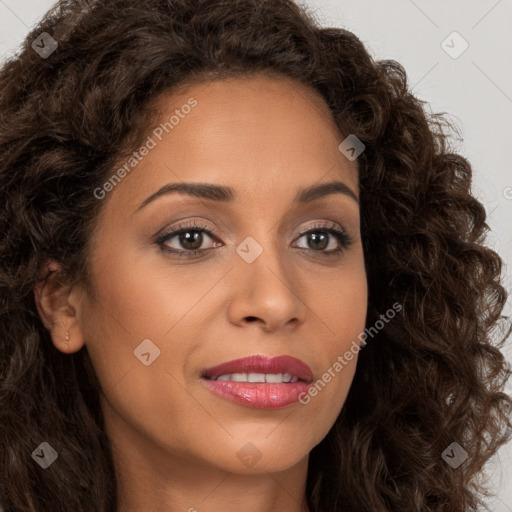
<point x="322" y="238"/>
<point x="185" y="239"/>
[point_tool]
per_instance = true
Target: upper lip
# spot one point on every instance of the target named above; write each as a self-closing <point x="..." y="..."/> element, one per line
<point x="262" y="364"/>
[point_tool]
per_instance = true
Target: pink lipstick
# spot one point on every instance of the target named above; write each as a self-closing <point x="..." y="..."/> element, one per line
<point x="259" y="381"/>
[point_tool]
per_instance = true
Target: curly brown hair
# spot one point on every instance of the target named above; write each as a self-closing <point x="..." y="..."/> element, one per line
<point x="431" y="377"/>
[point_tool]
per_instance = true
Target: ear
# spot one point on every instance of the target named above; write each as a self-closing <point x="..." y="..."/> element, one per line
<point x="57" y="302"/>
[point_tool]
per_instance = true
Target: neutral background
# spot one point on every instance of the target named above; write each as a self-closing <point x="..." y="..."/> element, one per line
<point x="474" y="89"/>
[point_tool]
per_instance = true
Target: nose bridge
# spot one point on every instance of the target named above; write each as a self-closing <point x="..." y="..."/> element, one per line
<point x="263" y="255"/>
<point x="266" y="283"/>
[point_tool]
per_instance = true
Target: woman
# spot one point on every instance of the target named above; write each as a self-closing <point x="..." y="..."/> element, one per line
<point x="240" y="267"/>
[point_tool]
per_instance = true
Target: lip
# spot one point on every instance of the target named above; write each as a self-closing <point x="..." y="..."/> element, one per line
<point x="258" y="394"/>
<point x="262" y="364"/>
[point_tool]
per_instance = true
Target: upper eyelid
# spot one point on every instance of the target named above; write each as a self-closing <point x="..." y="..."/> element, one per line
<point x="198" y="226"/>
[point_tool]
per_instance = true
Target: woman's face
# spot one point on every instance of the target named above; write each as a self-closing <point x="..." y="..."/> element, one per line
<point x="255" y="285"/>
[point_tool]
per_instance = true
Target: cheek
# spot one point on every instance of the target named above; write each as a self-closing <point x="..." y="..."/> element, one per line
<point x="342" y="317"/>
<point x="132" y="307"/>
<point x="138" y="299"/>
<point x="328" y="392"/>
<point x="141" y="297"/>
<point x="127" y="308"/>
<point x="341" y="306"/>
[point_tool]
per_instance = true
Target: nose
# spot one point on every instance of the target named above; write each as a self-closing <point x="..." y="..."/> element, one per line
<point x="267" y="292"/>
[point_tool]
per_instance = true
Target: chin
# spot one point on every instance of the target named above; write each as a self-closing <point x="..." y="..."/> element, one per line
<point x="264" y="454"/>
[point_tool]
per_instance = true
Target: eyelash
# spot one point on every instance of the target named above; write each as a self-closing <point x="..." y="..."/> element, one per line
<point x="345" y="241"/>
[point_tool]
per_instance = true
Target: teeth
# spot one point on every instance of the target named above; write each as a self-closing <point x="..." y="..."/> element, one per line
<point x="274" y="378"/>
<point x="255" y="377"/>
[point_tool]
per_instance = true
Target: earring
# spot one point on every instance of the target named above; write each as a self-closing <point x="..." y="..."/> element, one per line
<point x="67" y="336"/>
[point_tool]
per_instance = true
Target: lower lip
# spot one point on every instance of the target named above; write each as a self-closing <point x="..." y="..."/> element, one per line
<point x="258" y="394"/>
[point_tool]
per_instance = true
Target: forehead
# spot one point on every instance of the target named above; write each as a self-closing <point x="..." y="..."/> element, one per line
<point x="261" y="133"/>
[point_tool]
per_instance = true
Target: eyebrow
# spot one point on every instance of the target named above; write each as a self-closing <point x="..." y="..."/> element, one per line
<point x="225" y="194"/>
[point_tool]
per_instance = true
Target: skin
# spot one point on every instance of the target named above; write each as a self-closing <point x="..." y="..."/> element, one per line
<point x="175" y="442"/>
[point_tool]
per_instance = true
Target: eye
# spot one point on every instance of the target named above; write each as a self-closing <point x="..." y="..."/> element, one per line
<point x="189" y="238"/>
<point x="322" y="237"/>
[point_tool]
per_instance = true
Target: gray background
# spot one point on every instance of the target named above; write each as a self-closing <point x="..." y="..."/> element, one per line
<point x="475" y="89"/>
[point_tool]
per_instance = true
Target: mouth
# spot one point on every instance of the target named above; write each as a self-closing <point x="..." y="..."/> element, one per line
<point x="260" y="382"/>
<point x="261" y="369"/>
